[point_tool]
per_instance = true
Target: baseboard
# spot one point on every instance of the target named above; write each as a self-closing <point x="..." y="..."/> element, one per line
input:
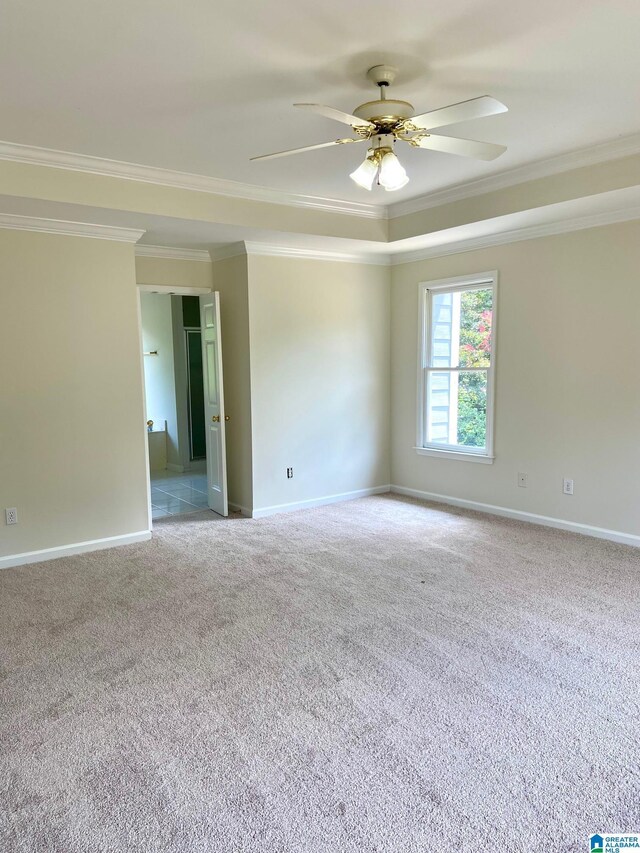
<point x="328" y="499"/>
<point x="531" y="517"/>
<point x="77" y="548"/>
<point x="239" y="508"/>
<point x="171" y="466"/>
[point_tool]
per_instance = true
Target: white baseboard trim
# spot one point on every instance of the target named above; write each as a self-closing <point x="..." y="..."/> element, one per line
<point x="239" y="508"/>
<point x="531" y="517"/>
<point x="328" y="499"/>
<point x="171" y="466"/>
<point x="77" y="548"/>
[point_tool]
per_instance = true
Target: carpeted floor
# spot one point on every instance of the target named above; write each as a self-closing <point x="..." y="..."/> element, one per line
<point x="380" y="675"/>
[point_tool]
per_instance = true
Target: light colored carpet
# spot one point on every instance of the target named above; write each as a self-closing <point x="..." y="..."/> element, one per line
<point x="381" y="675"/>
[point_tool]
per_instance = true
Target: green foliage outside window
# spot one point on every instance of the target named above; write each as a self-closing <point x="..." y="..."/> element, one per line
<point x="475" y="351"/>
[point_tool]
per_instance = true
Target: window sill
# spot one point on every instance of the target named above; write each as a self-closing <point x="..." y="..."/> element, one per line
<point x="452" y="454"/>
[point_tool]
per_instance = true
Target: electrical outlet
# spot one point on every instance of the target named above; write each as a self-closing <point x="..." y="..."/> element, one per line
<point x="289" y="473"/>
<point x="522" y="481"/>
<point x="11" y="514"/>
<point x="567" y="486"/>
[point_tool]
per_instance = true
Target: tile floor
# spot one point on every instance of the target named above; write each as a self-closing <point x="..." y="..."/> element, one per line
<point x="176" y="494"/>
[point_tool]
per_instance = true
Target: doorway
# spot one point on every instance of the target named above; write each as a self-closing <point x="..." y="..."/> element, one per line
<point x="174" y="399"/>
<point x="179" y="480"/>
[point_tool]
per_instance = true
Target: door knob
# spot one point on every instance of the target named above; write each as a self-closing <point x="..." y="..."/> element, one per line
<point x="227" y="417"/>
<point x="215" y="419"/>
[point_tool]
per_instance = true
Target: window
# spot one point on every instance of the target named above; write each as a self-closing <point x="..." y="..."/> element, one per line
<point x="456" y="367"/>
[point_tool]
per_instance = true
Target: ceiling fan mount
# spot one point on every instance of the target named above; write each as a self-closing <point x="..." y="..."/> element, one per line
<point x="382" y="75"/>
<point x="386" y="120"/>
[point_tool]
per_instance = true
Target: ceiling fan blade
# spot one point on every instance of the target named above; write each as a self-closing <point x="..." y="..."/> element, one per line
<point x="463" y="147"/>
<point x="464" y="111"/>
<point x="306" y="148"/>
<point x="336" y="115"/>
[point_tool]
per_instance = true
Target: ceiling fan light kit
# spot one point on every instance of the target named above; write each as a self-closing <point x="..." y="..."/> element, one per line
<point x="365" y="174"/>
<point x="384" y="121"/>
<point x="380" y="161"/>
<point x="392" y="173"/>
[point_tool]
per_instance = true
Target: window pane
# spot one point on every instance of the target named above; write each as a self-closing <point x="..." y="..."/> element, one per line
<point x="476" y="313"/>
<point x="461" y="328"/>
<point x="457" y="408"/>
<point x="445" y="329"/>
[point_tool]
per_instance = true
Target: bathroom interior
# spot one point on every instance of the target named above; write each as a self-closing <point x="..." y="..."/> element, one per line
<point x="172" y="357"/>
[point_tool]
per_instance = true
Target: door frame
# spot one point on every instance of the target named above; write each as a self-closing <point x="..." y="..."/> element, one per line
<point x="215" y="418"/>
<point x="165" y="290"/>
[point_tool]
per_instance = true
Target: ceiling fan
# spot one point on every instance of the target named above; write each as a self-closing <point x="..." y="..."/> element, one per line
<point x="382" y="122"/>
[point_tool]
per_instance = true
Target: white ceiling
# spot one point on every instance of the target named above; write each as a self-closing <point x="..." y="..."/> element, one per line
<point x="201" y="86"/>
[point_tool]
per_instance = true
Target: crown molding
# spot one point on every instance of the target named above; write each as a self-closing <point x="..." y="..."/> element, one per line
<point x="625" y="146"/>
<point x="171" y="253"/>
<point x="231" y="250"/>
<point x="603" y="152"/>
<point x="73" y="229"/>
<point x="273" y="250"/>
<point x="34" y="155"/>
<point x="530" y="232"/>
<point x="131" y="235"/>
<point x="470" y="244"/>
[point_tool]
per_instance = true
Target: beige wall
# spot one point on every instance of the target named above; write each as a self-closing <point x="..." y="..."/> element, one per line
<point x="230" y="279"/>
<point x="319" y="378"/>
<point x="322" y="329"/>
<point x="567" y="380"/>
<point x="306" y="349"/>
<point x="72" y="457"/>
<point x="172" y="272"/>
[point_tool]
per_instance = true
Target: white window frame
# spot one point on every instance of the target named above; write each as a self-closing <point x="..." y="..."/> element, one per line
<point x="425" y="292"/>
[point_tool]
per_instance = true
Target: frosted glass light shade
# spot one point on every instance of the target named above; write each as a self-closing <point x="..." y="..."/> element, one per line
<point x="365" y="174"/>
<point x="392" y="173"/>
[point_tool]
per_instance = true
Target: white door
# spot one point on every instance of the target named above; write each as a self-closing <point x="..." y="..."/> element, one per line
<point x="214" y="403"/>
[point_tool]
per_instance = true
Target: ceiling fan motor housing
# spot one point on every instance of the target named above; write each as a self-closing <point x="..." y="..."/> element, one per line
<point x="386" y="112"/>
